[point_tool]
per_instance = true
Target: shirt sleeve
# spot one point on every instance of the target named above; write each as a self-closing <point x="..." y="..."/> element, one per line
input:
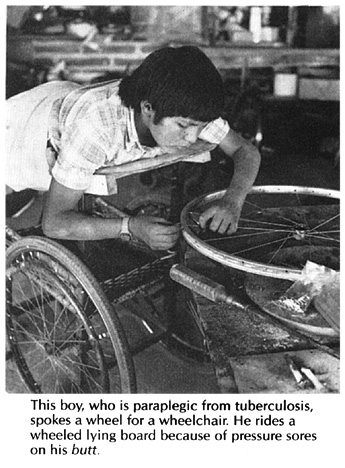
<point x="215" y="131"/>
<point x="84" y="147"/>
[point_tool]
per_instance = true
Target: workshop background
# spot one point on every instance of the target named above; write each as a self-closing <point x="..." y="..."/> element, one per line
<point x="281" y="69"/>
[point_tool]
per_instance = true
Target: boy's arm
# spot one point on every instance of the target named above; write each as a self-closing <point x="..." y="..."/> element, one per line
<point x="61" y="220"/>
<point x="226" y="212"/>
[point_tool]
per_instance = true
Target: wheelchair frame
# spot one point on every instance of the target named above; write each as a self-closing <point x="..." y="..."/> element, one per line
<point x="63" y="330"/>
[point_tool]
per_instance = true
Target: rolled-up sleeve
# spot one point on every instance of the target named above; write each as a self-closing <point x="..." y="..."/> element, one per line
<point x="70" y="176"/>
<point x="215" y="131"/>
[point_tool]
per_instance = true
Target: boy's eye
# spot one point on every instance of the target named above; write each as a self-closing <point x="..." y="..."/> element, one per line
<point x="182" y="125"/>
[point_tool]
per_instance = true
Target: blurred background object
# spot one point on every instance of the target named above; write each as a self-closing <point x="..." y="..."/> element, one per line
<point x="273" y="59"/>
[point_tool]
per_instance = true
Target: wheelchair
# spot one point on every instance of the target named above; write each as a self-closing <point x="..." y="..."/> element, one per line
<point x="64" y="330"/>
<point x="65" y="301"/>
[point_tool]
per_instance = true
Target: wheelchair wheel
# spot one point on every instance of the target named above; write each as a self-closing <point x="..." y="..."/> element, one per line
<point x="63" y="332"/>
<point x="280" y="229"/>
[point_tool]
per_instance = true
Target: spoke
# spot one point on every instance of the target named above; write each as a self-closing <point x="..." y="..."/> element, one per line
<point x="85" y="370"/>
<point x="42" y="376"/>
<point x="267" y="222"/>
<point x="241" y="236"/>
<point x="278" y="250"/>
<point x="39" y="365"/>
<point x="276" y="214"/>
<point x="64" y="325"/>
<point x="327" y="238"/>
<point x="265" y="230"/>
<point x="39" y="348"/>
<point x="258" y="207"/>
<point x="68" y="335"/>
<point x="329" y="232"/>
<point x="37" y="282"/>
<point x="39" y="286"/>
<point x="62" y="316"/>
<point x="81" y="365"/>
<point x="29" y="316"/>
<point x="31" y="339"/>
<point x="303" y="213"/>
<point x="44" y="342"/>
<point x="260" y="246"/>
<point x="66" y="371"/>
<point x="325" y="222"/>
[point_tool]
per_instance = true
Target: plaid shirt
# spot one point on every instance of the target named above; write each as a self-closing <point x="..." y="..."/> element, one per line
<point x="91" y="128"/>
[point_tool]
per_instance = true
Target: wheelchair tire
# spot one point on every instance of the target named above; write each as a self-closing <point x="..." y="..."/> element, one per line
<point x="64" y="334"/>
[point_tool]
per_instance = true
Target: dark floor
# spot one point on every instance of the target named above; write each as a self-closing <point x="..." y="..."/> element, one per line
<point x="163" y="370"/>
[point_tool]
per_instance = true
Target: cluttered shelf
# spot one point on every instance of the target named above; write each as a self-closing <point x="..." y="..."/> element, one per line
<point x="87" y="59"/>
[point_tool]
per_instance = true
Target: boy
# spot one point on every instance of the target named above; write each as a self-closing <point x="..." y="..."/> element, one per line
<point x="60" y="134"/>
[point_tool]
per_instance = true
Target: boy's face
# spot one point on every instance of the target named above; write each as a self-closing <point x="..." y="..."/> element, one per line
<point x="176" y="132"/>
<point x="172" y="132"/>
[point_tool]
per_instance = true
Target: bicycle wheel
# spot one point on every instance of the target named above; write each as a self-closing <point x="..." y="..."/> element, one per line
<point x="281" y="227"/>
<point x="64" y="335"/>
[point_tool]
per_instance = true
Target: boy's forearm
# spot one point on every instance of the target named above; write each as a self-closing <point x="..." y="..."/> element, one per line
<point x="246" y="166"/>
<point x="75" y="225"/>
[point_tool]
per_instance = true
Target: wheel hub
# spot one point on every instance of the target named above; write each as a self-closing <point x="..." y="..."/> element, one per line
<point x="49" y="348"/>
<point x="300" y="234"/>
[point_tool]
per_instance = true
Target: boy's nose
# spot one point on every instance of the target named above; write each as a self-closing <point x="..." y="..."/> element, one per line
<point x="191" y="134"/>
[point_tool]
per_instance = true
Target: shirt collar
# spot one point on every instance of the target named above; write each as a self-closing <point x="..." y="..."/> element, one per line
<point x="133" y="138"/>
<point x="132" y="135"/>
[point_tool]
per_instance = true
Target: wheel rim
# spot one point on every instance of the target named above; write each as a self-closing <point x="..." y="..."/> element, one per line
<point x="284" y="235"/>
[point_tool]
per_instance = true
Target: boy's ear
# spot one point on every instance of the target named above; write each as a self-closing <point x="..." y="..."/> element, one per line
<point x="146" y="108"/>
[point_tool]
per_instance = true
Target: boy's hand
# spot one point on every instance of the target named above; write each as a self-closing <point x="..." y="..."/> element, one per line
<point x="223" y="216"/>
<point x="156" y="232"/>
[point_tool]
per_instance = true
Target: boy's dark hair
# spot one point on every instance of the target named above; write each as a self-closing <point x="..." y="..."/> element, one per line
<point x="176" y="82"/>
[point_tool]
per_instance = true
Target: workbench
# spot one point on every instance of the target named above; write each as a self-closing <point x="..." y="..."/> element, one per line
<point x="248" y="350"/>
